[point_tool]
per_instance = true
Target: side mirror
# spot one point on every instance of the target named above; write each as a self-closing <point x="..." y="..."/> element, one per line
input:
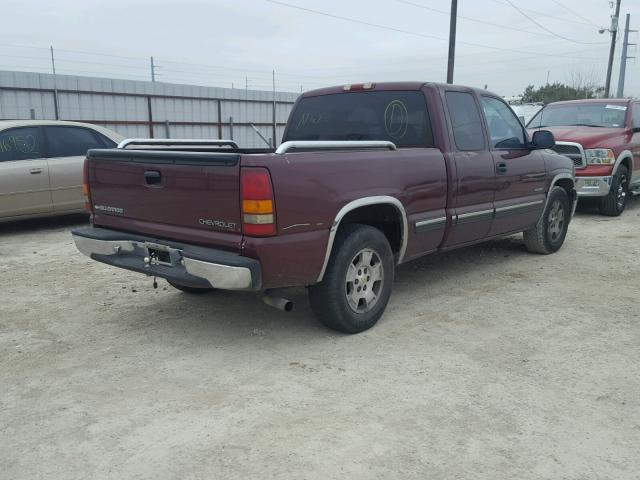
<point x="543" y="139"/>
<point x="635" y="129"/>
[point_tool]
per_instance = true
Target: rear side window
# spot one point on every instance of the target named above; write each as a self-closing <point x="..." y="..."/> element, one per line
<point x="397" y="116"/>
<point x="71" y="141"/>
<point x="465" y="119"/>
<point x="20" y="144"/>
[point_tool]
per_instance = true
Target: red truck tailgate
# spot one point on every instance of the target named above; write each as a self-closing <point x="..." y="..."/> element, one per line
<point x="191" y="197"/>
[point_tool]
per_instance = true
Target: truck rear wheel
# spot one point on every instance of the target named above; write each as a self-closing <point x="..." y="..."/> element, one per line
<point x="357" y="282"/>
<point x="192" y="290"/>
<point x="549" y="233"/>
<point x="613" y="204"/>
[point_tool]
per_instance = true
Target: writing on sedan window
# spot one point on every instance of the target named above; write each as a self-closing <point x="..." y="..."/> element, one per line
<point x="19" y="143"/>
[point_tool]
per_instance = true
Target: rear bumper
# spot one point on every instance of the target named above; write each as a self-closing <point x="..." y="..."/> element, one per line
<point x="188" y="265"/>
<point x="593" y="186"/>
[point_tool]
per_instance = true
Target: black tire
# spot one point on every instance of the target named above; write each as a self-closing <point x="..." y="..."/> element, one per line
<point x="549" y="233"/>
<point x="191" y="290"/>
<point x="362" y="253"/>
<point x="614" y="203"/>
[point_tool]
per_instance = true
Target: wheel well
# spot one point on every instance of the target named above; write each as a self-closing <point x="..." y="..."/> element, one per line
<point x="384" y="217"/>
<point x="567" y="184"/>
<point x="627" y="163"/>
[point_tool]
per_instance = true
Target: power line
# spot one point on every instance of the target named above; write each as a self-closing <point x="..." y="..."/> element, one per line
<point x="544" y="14"/>
<point x="476" y="20"/>
<point x="573" y="12"/>
<point x="548" y="30"/>
<point x="408" y="32"/>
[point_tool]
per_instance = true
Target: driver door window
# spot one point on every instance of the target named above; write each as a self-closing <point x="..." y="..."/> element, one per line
<point x="505" y="129"/>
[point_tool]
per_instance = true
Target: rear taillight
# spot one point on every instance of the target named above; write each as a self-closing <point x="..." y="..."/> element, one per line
<point x="85" y="186"/>
<point x="256" y="195"/>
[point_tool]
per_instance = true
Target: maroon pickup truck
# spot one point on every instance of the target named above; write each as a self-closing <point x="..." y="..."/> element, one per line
<point x="602" y="137"/>
<point x="369" y="176"/>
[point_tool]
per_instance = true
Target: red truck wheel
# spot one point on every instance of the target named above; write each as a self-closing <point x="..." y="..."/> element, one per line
<point x="549" y="233"/>
<point x="613" y="204"/>
<point x="357" y="283"/>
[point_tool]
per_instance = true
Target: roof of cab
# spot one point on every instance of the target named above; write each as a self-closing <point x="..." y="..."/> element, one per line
<point x="592" y="100"/>
<point x="382" y="86"/>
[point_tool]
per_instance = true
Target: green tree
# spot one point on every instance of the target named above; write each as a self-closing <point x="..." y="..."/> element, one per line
<point x="555" y="92"/>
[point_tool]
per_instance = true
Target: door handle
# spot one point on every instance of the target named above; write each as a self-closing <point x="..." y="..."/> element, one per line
<point x="35" y="171"/>
<point x="501" y="168"/>
<point x="152" y="177"/>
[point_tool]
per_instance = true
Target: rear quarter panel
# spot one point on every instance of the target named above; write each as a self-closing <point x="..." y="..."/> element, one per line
<point x="310" y="189"/>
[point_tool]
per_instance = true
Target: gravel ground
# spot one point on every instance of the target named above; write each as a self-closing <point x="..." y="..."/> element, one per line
<point x="490" y="363"/>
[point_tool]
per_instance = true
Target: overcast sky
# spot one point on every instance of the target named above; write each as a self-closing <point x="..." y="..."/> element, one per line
<point x="218" y="42"/>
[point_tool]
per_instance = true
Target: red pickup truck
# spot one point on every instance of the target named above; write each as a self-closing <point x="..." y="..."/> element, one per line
<point x="369" y="176"/>
<point x="602" y="137"/>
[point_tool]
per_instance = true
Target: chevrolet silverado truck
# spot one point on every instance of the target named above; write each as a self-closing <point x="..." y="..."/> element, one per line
<point x="602" y="137"/>
<point x="368" y="176"/>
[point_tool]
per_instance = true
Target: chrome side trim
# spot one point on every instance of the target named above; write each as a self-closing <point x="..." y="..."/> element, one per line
<point x="335" y="145"/>
<point x="363" y="202"/>
<point x="479" y="213"/>
<point x="176" y="141"/>
<point x="518" y="206"/>
<point x="424" y="223"/>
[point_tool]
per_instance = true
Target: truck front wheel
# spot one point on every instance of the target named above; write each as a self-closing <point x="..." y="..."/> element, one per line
<point x="357" y="283"/>
<point x="613" y="204"/>
<point x="549" y="233"/>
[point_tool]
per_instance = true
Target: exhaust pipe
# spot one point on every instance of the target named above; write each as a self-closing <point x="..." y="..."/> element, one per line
<point x="277" y="302"/>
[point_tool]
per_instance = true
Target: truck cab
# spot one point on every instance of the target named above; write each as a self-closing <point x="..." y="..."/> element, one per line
<point x="602" y="137"/>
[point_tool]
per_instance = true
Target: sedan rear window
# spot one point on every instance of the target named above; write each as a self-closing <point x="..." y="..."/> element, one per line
<point x="397" y="116"/>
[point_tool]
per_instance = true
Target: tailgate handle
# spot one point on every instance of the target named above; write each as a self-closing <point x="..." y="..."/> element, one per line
<point x="152" y="177"/>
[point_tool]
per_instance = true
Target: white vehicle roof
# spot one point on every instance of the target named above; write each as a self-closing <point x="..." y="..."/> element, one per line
<point x="116" y="137"/>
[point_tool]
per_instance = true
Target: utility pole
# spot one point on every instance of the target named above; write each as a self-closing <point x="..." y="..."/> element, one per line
<point x="153" y="70"/>
<point x="624" y="58"/>
<point x="55" y="86"/>
<point x="614" y="32"/>
<point x="452" y="40"/>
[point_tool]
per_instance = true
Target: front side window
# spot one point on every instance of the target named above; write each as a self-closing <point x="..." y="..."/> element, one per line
<point x="465" y="121"/>
<point x="596" y="114"/>
<point x="71" y="141"/>
<point x="397" y="116"/>
<point x="505" y="129"/>
<point x="636" y="115"/>
<point x="20" y="144"/>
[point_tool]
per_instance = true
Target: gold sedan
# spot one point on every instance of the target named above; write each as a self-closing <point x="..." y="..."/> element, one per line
<point x="41" y="166"/>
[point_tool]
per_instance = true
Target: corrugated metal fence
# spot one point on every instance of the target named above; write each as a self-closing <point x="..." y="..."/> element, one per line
<point x="147" y="109"/>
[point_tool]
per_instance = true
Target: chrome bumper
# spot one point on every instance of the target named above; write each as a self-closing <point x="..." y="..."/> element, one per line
<point x="134" y="255"/>
<point x="593" y="186"/>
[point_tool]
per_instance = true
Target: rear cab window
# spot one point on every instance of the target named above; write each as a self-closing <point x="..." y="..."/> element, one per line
<point x="66" y="141"/>
<point x="400" y="117"/>
<point x="22" y="143"/>
<point x="468" y="131"/>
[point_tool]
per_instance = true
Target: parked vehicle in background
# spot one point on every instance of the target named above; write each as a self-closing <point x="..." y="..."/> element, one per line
<point x="602" y="137"/>
<point x="526" y="111"/>
<point x="41" y="166"/>
<point x="368" y="176"/>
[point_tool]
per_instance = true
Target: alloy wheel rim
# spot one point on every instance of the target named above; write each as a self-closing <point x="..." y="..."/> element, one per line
<point x="621" y="194"/>
<point x="364" y="280"/>
<point x="556" y="221"/>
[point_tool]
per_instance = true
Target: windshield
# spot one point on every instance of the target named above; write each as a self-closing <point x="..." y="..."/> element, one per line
<point x="397" y="116"/>
<point x="611" y="115"/>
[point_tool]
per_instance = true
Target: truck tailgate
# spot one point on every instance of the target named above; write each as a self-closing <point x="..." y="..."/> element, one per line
<point x="192" y="196"/>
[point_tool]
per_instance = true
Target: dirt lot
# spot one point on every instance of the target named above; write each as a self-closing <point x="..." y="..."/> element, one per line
<point x="490" y="363"/>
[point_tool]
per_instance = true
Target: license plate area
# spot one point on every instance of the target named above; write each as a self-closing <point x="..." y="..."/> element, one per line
<point x="162" y="255"/>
